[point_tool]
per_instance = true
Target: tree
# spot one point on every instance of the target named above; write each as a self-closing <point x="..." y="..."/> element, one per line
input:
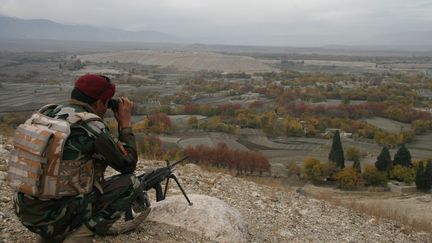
<point x="428" y="176"/>
<point x="193" y="122"/>
<point x="384" y="162"/>
<point x="403" y="174"/>
<point x="316" y="171"/>
<point x="348" y="178"/>
<point x="336" y="152"/>
<point x="403" y="157"/>
<point x="373" y="177"/>
<point x="420" y="177"/>
<point x="353" y="154"/>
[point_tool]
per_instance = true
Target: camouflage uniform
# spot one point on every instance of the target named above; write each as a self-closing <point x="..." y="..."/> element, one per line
<point x="55" y="218"/>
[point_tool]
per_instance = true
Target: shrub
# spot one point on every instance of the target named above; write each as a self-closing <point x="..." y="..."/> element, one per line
<point x="353" y="154"/>
<point x="373" y="177"/>
<point x="316" y="171"/>
<point x="311" y="169"/>
<point x="293" y="169"/>
<point x="403" y="174"/>
<point x="348" y="178"/>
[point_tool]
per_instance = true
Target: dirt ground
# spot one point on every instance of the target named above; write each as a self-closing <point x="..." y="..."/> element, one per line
<point x="413" y="209"/>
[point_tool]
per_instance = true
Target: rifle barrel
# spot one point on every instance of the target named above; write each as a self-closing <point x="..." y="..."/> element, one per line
<point x="181" y="160"/>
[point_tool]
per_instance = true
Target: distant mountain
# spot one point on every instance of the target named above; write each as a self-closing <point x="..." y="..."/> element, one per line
<point x="14" y="28"/>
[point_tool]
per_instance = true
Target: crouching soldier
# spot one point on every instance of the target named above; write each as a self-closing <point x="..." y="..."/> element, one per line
<point x="58" y="162"/>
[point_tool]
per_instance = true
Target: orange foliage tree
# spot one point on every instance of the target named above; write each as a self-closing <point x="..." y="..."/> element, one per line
<point x="244" y="162"/>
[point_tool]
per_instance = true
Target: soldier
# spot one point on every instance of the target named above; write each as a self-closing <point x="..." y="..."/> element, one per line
<point x="76" y="218"/>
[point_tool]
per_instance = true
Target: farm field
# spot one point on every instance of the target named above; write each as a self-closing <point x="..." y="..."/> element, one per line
<point x="387" y="124"/>
<point x="153" y="75"/>
<point x="31" y="96"/>
<point x="210" y="139"/>
<point x="338" y="102"/>
<point x="363" y="65"/>
<point x="183" y="60"/>
<point x="183" y="119"/>
<point x="422" y="146"/>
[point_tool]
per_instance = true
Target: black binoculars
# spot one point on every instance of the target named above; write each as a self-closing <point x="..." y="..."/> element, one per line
<point x="113" y="104"/>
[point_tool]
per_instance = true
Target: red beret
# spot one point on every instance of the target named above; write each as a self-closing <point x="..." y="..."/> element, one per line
<point x="95" y="86"/>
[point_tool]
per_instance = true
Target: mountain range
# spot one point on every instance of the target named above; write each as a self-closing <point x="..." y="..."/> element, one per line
<point x="42" y="29"/>
<point x="37" y="34"/>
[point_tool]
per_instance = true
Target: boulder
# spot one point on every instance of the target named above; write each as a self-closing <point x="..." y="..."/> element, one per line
<point x="208" y="216"/>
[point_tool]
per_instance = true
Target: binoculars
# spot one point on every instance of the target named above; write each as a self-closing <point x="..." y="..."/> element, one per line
<point x="113" y="104"/>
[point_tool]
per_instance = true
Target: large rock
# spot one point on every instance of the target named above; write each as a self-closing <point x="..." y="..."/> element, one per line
<point x="208" y="216"/>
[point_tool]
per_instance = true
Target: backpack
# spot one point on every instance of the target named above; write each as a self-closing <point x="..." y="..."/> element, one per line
<point x="36" y="167"/>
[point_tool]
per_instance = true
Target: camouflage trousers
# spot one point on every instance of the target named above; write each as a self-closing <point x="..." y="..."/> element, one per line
<point x="54" y="219"/>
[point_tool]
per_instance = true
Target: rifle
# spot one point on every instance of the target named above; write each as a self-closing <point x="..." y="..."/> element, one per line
<point x="153" y="180"/>
<point x="155" y="177"/>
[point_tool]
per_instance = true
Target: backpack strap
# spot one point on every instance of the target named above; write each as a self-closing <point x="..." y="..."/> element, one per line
<point x="47" y="107"/>
<point x="88" y="121"/>
<point x="92" y="123"/>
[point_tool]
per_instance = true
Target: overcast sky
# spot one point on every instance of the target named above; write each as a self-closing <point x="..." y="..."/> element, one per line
<point x="272" y="22"/>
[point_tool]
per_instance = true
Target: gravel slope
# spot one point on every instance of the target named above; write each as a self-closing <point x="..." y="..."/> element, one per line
<point x="272" y="213"/>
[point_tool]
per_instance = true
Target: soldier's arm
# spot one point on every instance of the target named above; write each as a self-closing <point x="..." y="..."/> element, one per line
<point x="119" y="153"/>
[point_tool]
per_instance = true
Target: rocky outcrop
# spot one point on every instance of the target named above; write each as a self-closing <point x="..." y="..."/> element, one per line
<point x="209" y="216"/>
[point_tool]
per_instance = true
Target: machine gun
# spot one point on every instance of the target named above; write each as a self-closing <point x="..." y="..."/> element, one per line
<point x="153" y="180"/>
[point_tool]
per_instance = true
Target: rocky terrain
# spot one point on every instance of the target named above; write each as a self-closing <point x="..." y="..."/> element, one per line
<point x="254" y="212"/>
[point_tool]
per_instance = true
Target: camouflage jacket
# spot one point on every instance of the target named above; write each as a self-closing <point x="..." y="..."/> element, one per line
<point x="91" y="140"/>
<point x="118" y="153"/>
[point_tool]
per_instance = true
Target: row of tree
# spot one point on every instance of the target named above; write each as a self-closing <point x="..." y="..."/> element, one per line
<point x="242" y="161"/>
<point x="401" y="168"/>
<point x="402" y="157"/>
<point x="231" y="117"/>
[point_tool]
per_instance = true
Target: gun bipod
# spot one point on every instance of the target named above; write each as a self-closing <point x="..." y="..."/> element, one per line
<point x="172" y="176"/>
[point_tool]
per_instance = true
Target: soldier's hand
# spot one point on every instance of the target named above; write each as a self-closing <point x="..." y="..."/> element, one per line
<point x="124" y="113"/>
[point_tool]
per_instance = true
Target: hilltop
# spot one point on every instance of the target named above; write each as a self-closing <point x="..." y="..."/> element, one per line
<point x="271" y="213"/>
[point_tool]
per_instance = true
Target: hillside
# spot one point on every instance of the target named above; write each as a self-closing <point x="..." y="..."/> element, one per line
<point x="184" y="60"/>
<point x="272" y="213"/>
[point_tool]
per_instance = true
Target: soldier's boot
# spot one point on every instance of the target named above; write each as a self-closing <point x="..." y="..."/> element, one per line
<point x="80" y="235"/>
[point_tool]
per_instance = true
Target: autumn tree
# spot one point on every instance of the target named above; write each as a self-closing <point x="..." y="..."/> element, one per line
<point x="316" y="171"/>
<point x="193" y="122"/>
<point x="224" y="157"/>
<point x="336" y="152"/>
<point x="353" y="154"/>
<point x="373" y="177"/>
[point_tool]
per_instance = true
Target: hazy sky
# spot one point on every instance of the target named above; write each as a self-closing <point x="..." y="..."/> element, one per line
<point x="275" y="22"/>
